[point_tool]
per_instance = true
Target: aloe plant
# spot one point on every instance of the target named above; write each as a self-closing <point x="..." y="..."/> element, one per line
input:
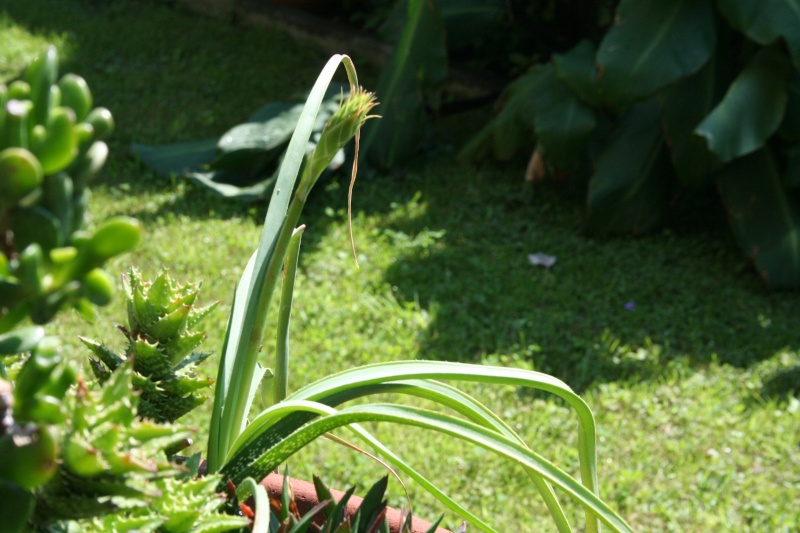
<point x="161" y="344"/>
<point x="244" y="450"/>
<point x="111" y="460"/>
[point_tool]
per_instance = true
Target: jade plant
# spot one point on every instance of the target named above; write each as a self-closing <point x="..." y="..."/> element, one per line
<point x="51" y="145"/>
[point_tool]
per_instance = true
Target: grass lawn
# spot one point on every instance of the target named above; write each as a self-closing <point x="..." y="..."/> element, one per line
<point x="691" y="367"/>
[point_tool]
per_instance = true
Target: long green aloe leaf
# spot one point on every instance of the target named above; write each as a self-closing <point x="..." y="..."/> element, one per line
<point x="400" y="370"/>
<point x="428" y="420"/>
<point x="444" y="395"/>
<point x="278" y="422"/>
<point x="248" y="317"/>
<point x="347" y="385"/>
<point x="464" y="404"/>
<point x="281" y="381"/>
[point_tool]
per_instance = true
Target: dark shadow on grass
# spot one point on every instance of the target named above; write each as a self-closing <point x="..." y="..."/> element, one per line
<point x="616" y="309"/>
<point x="609" y="310"/>
<point x="782" y="384"/>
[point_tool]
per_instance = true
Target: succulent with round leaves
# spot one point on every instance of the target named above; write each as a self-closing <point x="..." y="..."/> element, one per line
<point x="110" y="459"/>
<point x="30" y="412"/>
<point x="161" y="344"/>
<point x="51" y="145"/>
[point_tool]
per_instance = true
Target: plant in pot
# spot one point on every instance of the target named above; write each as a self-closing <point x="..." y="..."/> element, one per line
<point x="109" y="475"/>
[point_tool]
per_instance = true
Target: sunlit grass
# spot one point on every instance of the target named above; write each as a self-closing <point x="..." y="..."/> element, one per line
<point x="697" y="421"/>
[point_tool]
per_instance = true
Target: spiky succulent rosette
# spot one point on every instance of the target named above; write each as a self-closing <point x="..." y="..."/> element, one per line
<point x="161" y="316"/>
<point x="182" y="506"/>
<point x="110" y="458"/>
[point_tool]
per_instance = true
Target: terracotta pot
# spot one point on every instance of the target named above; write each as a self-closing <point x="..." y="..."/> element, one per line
<point x="306" y="497"/>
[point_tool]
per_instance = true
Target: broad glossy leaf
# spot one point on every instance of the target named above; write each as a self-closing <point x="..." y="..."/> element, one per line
<point x="653" y="44"/>
<point x="229" y="184"/>
<point x="512" y="129"/>
<point x="764" y="217"/>
<point x="562" y="122"/>
<point x="259" y="142"/>
<point x="752" y="108"/>
<point x="578" y="70"/>
<point x="468" y="21"/>
<point x="790" y="127"/>
<point x="683" y="106"/>
<point x="793" y="167"/>
<point x="765" y="21"/>
<point x="630" y="189"/>
<point x="418" y="64"/>
<point x="243" y="162"/>
<point x="465" y="21"/>
<point x="177" y="158"/>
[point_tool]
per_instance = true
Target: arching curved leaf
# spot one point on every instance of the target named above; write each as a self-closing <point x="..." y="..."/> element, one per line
<point x="653" y="44"/>
<point x="561" y="121"/>
<point x="751" y="110"/>
<point x="449" y="425"/>
<point x="764" y="216"/>
<point x="418" y="64"/>
<point x="630" y="189"/>
<point x="765" y="21"/>
<point x="578" y="70"/>
<point x="683" y="107"/>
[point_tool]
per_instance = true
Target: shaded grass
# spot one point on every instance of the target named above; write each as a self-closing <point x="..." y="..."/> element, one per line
<point x="694" y="388"/>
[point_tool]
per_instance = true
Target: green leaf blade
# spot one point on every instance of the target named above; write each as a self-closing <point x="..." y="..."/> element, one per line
<point x="764" y="217"/>
<point x="466" y="431"/>
<point x="752" y="108"/>
<point x="562" y="122"/>
<point x="418" y="64"/>
<point x="248" y="316"/>
<point x="654" y="44"/>
<point x="631" y="186"/>
<point x="766" y="21"/>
